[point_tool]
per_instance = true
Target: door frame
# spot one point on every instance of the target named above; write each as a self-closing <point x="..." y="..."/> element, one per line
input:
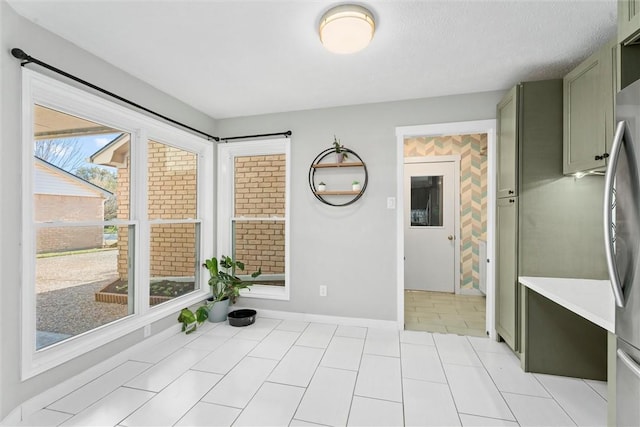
<point x="455" y="159"/>
<point x="487" y="127"/>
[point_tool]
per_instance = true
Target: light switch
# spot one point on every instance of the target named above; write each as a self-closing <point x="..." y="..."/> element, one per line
<point x="391" y="202"/>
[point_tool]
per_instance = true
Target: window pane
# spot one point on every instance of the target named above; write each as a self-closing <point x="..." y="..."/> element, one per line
<point x="426" y="201"/>
<point x="174" y="256"/>
<point x="81" y="174"/>
<point x="77" y="291"/>
<point x="172" y="182"/>
<point x="260" y="185"/>
<point x="260" y="244"/>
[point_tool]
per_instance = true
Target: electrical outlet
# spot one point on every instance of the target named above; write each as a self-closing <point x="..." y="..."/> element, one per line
<point x="323" y="291"/>
<point x="391" y="202"/>
<point x="147" y="331"/>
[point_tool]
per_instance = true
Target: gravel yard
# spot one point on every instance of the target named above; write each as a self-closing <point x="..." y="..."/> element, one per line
<point x="65" y="287"/>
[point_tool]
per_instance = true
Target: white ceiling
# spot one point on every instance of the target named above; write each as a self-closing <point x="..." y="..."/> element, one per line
<point x="238" y="58"/>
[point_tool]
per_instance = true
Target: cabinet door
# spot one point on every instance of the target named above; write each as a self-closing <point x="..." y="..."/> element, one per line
<point x="628" y="20"/>
<point x="507" y="312"/>
<point x="588" y="100"/>
<point x="507" y="141"/>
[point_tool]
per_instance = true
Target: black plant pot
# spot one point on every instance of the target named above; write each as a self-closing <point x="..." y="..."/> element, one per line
<point x="243" y="317"/>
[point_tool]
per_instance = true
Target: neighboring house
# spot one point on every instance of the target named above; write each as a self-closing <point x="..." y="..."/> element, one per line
<point x="62" y="196"/>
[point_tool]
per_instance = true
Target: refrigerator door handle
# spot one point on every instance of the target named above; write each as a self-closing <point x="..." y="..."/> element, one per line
<point x="629" y="362"/>
<point x="609" y="190"/>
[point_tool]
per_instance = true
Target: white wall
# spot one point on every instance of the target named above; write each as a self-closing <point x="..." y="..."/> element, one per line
<point x="18" y="32"/>
<point x="351" y="250"/>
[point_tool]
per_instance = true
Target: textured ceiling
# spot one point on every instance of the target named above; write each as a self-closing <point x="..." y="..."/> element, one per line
<point x="239" y="58"/>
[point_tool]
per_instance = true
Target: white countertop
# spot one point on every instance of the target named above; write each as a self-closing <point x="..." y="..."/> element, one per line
<point x="591" y="299"/>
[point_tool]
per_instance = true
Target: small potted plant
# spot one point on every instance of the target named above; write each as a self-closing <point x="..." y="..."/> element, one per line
<point x="355" y="186"/>
<point x="225" y="285"/>
<point x="322" y="186"/>
<point x="341" y="152"/>
<point x="225" y="289"/>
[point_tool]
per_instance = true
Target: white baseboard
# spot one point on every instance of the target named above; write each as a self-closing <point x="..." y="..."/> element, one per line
<point x="473" y="291"/>
<point x="321" y="318"/>
<point x="56" y="392"/>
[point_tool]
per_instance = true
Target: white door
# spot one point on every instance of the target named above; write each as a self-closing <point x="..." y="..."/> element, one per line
<point x="430" y="236"/>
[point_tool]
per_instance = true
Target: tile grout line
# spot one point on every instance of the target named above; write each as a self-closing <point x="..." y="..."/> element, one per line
<point x="493" y="381"/>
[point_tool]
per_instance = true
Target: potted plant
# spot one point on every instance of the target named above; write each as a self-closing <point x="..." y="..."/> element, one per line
<point x="355" y="186"/>
<point x="322" y="186"/>
<point x="341" y="152"/>
<point x="225" y="285"/>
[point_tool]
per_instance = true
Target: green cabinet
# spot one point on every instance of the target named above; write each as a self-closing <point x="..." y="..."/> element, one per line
<point x="628" y="21"/>
<point x="589" y="108"/>
<point x="507" y="115"/>
<point x="529" y="119"/>
<point x="507" y="311"/>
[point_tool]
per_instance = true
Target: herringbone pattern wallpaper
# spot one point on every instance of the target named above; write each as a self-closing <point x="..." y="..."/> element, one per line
<point x="473" y="192"/>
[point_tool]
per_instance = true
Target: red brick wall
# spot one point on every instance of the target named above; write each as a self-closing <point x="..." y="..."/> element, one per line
<point x="50" y="207"/>
<point x="260" y="191"/>
<point x="172" y="191"/>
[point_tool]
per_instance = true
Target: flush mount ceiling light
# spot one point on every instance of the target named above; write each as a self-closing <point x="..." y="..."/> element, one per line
<point x="346" y="29"/>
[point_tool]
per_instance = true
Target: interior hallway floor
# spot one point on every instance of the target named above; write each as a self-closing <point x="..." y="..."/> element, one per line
<point x="280" y="372"/>
<point x="445" y="313"/>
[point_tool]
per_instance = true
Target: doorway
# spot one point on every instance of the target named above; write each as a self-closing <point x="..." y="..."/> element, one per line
<point x="431" y="224"/>
<point x="467" y="284"/>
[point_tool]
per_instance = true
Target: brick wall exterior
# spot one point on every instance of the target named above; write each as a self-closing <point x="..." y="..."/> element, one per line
<point x="260" y="191"/>
<point x="172" y="195"/>
<point x="50" y="207"/>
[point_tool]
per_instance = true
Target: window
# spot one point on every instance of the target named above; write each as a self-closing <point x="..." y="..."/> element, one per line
<point x="253" y="192"/>
<point x="117" y="212"/>
<point x="426" y="201"/>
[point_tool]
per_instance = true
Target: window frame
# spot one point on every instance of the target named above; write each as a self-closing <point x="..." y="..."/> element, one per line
<point x="226" y="203"/>
<point x="40" y="89"/>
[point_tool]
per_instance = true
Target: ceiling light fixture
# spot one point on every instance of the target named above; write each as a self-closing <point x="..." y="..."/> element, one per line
<point x="346" y="29"/>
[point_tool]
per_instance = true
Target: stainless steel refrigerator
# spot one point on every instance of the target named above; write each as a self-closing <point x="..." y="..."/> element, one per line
<point x="622" y="244"/>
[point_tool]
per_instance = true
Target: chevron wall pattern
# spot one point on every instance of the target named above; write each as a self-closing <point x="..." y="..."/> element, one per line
<point x="473" y="192"/>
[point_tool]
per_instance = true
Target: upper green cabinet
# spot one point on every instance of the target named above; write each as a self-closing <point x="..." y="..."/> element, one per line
<point x="589" y="104"/>
<point x="628" y="21"/>
<point x="507" y="114"/>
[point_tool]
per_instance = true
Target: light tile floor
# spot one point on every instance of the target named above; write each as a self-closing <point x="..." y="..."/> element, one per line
<point x="279" y="373"/>
<point x="444" y="313"/>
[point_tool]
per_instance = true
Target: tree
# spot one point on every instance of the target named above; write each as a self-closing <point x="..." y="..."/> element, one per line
<point x="66" y="154"/>
<point x="104" y="178"/>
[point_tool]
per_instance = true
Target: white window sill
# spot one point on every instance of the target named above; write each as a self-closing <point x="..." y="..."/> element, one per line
<point x="49" y="357"/>
<point x="266" y="292"/>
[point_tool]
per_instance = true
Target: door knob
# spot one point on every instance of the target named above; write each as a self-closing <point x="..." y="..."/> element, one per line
<point x="450" y="237"/>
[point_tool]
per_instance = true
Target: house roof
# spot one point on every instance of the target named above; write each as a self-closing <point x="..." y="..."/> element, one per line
<point x="114" y="153"/>
<point x="71" y="177"/>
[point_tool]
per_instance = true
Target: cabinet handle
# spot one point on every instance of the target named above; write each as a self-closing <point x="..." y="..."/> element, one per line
<point x="602" y="157"/>
<point x="512" y="201"/>
<point x="511" y="192"/>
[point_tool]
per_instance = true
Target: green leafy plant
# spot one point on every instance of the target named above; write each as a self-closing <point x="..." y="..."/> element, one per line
<point x="355" y="183"/>
<point x="223" y="280"/>
<point x="190" y="320"/>
<point x="224" y="284"/>
<point x="338" y="147"/>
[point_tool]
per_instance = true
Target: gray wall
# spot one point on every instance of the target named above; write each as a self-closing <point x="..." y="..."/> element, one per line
<point x="351" y="250"/>
<point x="18" y="32"/>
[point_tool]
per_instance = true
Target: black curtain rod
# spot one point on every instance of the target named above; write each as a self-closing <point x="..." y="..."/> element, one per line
<point x="264" y="135"/>
<point x="26" y="59"/>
